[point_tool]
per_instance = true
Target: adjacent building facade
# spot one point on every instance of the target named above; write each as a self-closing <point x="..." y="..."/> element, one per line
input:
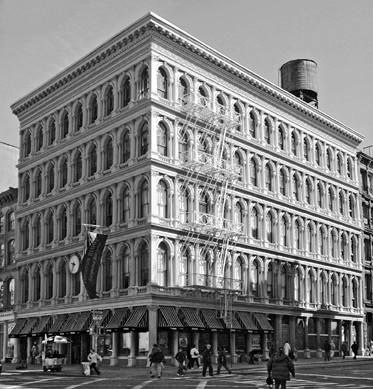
<point x="231" y="206"/>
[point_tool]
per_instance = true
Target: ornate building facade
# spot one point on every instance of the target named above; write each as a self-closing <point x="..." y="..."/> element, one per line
<point x="231" y="206"/>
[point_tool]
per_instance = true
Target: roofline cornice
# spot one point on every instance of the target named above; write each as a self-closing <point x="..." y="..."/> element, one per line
<point x="153" y="23"/>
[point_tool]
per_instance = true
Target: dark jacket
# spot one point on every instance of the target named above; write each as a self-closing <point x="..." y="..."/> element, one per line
<point x="180" y="357"/>
<point x="156" y="355"/>
<point x="281" y="366"/>
<point x="355" y="348"/>
<point x="222" y="357"/>
<point x="327" y="347"/>
<point x="207" y="356"/>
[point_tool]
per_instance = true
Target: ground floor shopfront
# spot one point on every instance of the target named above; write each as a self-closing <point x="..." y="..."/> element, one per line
<point x="125" y="335"/>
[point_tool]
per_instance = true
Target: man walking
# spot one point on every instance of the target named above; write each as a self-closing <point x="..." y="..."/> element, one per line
<point x="156" y="358"/>
<point x="93" y="357"/>
<point x="327" y="349"/>
<point x="280" y="366"/>
<point x="354" y="349"/>
<point x="207" y="361"/>
<point x="344" y="349"/>
<point x="194" y="355"/>
<point x="180" y="357"/>
<point x="222" y="361"/>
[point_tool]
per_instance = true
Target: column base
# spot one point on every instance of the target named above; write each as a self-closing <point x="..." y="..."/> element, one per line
<point x="307" y="353"/>
<point x="132" y="361"/>
<point x="114" y="361"/>
<point x="318" y="353"/>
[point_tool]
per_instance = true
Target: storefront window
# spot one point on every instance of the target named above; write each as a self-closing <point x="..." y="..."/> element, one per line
<point x="124" y="344"/>
<point x="104" y="343"/>
<point x="204" y="340"/>
<point x="163" y="341"/>
<point x="144" y="343"/>
<point x="240" y="343"/>
<point x="223" y="341"/>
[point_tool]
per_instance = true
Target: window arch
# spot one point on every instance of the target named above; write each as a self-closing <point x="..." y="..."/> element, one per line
<point x="354" y="293"/>
<point x="162" y="139"/>
<point x="26" y="188"/>
<point x="267" y="132"/>
<point x="78" y="117"/>
<point x="163" y="254"/>
<point x="63" y="223"/>
<point x="253" y="172"/>
<point x="237" y="116"/>
<point x="49" y="281"/>
<point x="37" y="232"/>
<point x="351" y="206"/>
<point x="144" y="83"/>
<point x="186" y="268"/>
<point x="319" y="195"/>
<point x="338" y="164"/>
<point x="252" y="125"/>
<point x="162" y="83"/>
<point x="109" y="101"/>
<point x="126" y="204"/>
<point x="108" y="154"/>
<point x="255" y="278"/>
<point x="332" y="243"/>
<point x="270" y="227"/>
<point x="282" y="182"/>
<point x="107" y="271"/>
<point x="322" y="238"/>
<point x="268" y="177"/>
<point x="283" y="232"/>
<point x="270" y="283"/>
<point x="78" y="166"/>
<point x="51" y="131"/>
<point x="25" y="286"/>
<point x="310" y="242"/>
<point x="311" y="287"/>
<point x="144" y="199"/>
<point x="297" y="236"/>
<point x="126" y="147"/>
<point x="333" y="290"/>
<point x="284" y="283"/>
<point x="183" y="140"/>
<point x="49" y="230"/>
<point x="25" y="234"/>
<point x="126" y="92"/>
<point x="238" y="165"/>
<point x="92" y="211"/>
<point x="183" y="90"/>
<point x="38" y="183"/>
<point x="77" y="220"/>
<point x="238" y="213"/>
<point x="280" y="138"/>
<point x="108" y="209"/>
<point x="64" y="125"/>
<point x="307" y="192"/>
<point x="39" y="138"/>
<point x="92" y="160"/>
<point x="62" y="277"/>
<point x="11" y="251"/>
<point x="343" y="247"/>
<point x="297" y="278"/>
<point x="63" y="172"/>
<point x="293" y="141"/>
<point x="124" y="268"/>
<point x="295" y="182"/>
<point x="27" y="144"/>
<point x="344" y="291"/>
<point x="317" y="154"/>
<point x="255" y="223"/>
<point x="353" y="249"/>
<point x="50" y="178"/>
<point x="331" y="199"/>
<point x="328" y="159"/>
<point x="306" y="148"/>
<point x="93" y="109"/>
<point x="162" y="199"/>
<point x="340" y="201"/>
<point x="204" y="206"/>
<point x="143" y="265"/>
<point x="144" y="139"/>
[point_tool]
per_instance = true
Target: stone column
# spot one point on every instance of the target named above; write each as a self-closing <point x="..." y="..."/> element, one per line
<point x="29" y="346"/>
<point x="114" y="352"/>
<point x="292" y="327"/>
<point x="307" y="353"/>
<point x="360" y="337"/>
<point x="318" y="339"/>
<point x="278" y="332"/>
<point x="153" y="316"/>
<point x="214" y="347"/>
<point x="5" y="341"/>
<point x="265" y="350"/>
<point x="17" y="350"/>
<point x="233" y="347"/>
<point x="249" y="342"/>
<point x="175" y="347"/>
<point x="134" y="348"/>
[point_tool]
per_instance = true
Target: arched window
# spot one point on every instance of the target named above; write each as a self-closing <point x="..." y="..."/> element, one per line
<point x="144" y="83"/>
<point x="75" y="284"/>
<point x="62" y="279"/>
<point x="306" y="148"/>
<point x="186" y="272"/>
<point x="202" y="98"/>
<point x="63" y="224"/>
<point x="11" y="221"/>
<point x="37" y="284"/>
<point x="283" y="232"/>
<point x="330" y="199"/>
<point x="183" y="91"/>
<point x="126" y="204"/>
<point x="11" y="252"/>
<point x="109" y="101"/>
<point x="238" y="165"/>
<point x="204" y="206"/>
<point x="253" y="172"/>
<point x="92" y="160"/>
<point x="237" y="116"/>
<point x="270" y="289"/>
<point x="50" y="178"/>
<point x="353" y="250"/>
<point x="25" y="286"/>
<point x="77" y="220"/>
<point x="27" y="144"/>
<point x="162" y="82"/>
<point x="25" y="235"/>
<point x="255" y="279"/>
<point x="26" y="188"/>
<point x="332" y="242"/>
<point x="38" y="183"/>
<point x="163" y="264"/>
<point x="63" y="172"/>
<point x="126" y="93"/>
<point x="343" y="247"/>
<point x="162" y="139"/>
<point x="78" y="117"/>
<point x="124" y="269"/>
<point x="162" y="199"/>
<point x="48" y="282"/>
<point x="308" y="192"/>
<point x="310" y="287"/>
<point x="78" y="166"/>
<point x="319" y="195"/>
<point x="293" y="141"/>
<point x="284" y="286"/>
<point x="267" y="132"/>
<point x="39" y="138"/>
<point x="349" y="169"/>
<point x="297" y="278"/>
<point x="108" y="209"/>
<point x="49" y="229"/>
<point x="144" y="265"/>
<point x="340" y="198"/>
<point x="92" y="212"/>
<point x="183" y="147"/>
<point x="269" y="227"/>
<point x="344" y="291"/>
<point x="126" y="147"/>
<point x="328" y="159"/>
<point x="310" y="239"/>
<point x="282" y="182"/>
<point x="317" y="154"/>
<point x="339" y="164"/>
<point x="144" y="196"/>
<point x="64" y="125"/>
<point x="297" y="240"/>
<point x="295" y="187"/>
<point x="238" y="213"/>
<point x="351" y="206"/>
<point x="109" y="154"/>
<point x="333" y="289"/>
<point x="37" y="232"/>
<point x="280" y="138"/>
<point x="268" y="177"/>
<point x="93" y="110"/>
<point x="252" y="125"/>
<point x="254" y="223"/>
<point x="52" y="132"/>
<point x="322" y="237"/>
<point x="107" y="271"/>
<point x="144" y="139"/>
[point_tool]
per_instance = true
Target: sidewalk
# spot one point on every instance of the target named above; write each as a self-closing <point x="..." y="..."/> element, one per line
<point x="169" y="371"/>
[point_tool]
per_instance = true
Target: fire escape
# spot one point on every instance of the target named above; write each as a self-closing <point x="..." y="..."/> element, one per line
<point x="209" y="166"/>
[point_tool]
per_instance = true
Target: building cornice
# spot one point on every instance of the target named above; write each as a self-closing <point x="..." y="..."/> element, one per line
<point x="153" y="24"/>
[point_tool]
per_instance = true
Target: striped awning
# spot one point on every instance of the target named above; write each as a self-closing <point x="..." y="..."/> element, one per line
<point x="234" y="324"/>
<point x="247" y="321"/>
<point x="82" y="323"/>
<point x="18" y="327"/>
<point x="167" y="317"/>
<point x="190" y="318"/>
<point x="138" y="318"/>
<point x="106" y="316"/>
<point x="60" y="320"/>
<point x="117" y="320"/>
<point x="211" y="320"/>
<point x="262" y="322"/>
<point x="43" y="326"/>
<point x="29" y="326"/>
<point x="69" y="323"/>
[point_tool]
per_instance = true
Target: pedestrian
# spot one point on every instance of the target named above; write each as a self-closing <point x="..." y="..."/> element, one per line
<point x="327" y="349"/>
<point x="354" y="349"/>
<point x="344" y="349"/>
<point x="279" y="368"/>
<point x="34" y="353"/>
<point x="222" y="361"/>
<point x="180" y="357"/>
<point x="194" y="356"/>
<point x="23" y="358"/>
<point x="287" y="348"/>
<point x="93" y="357"/>
<point x="332" y="349"/>
<point x="207" y="361"/>
<point x="156" y="358"/>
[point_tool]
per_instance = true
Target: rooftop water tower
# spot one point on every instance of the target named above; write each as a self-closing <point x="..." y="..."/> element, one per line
<point x="299" y="77"/>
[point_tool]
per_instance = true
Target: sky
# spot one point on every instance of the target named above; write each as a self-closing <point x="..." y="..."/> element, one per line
<point x="39" y="38"/>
